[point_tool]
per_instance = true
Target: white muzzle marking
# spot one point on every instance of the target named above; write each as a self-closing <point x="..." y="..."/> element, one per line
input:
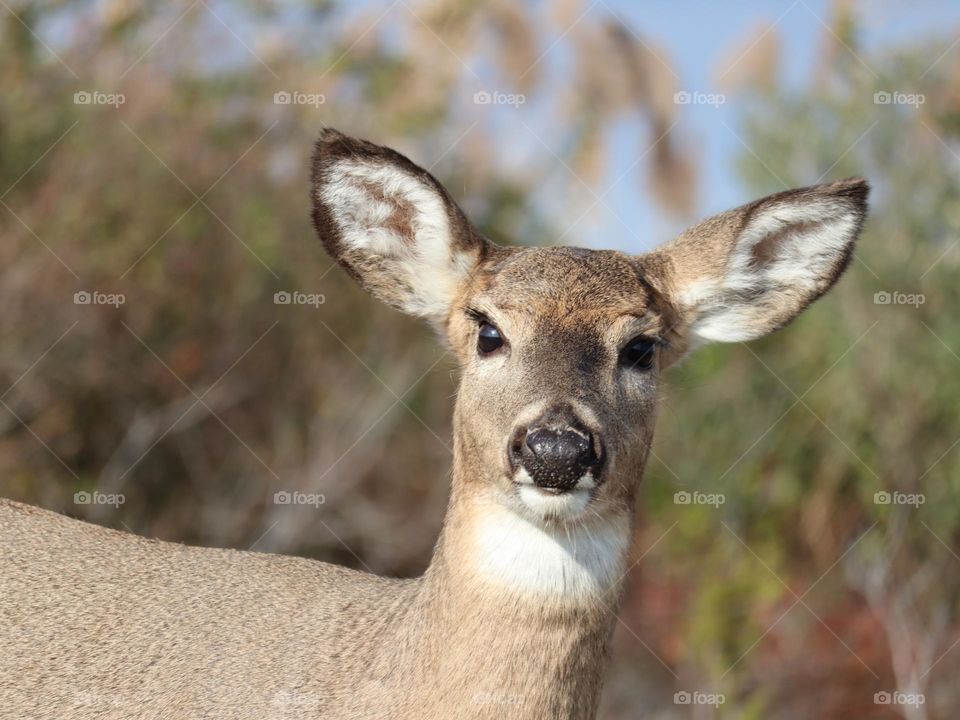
<point x="550" y="505"/>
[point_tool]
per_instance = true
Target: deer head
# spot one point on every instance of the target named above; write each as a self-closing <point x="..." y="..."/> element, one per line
<point x="561" y="349"/>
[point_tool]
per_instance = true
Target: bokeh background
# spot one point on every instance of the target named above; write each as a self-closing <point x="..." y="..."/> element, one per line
<point x="155" y="157"/>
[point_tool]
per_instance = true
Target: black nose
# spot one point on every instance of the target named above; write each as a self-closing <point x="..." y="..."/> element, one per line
<point x="556" y="458"/>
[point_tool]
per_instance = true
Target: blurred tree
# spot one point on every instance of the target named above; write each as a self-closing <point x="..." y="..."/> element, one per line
<point x="198" y="398"/>
<point x="815" y="563"/>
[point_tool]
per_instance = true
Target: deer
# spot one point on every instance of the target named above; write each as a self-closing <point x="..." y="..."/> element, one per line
<point x="561" y="352"/>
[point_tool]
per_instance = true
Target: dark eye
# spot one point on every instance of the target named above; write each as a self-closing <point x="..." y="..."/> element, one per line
<point x="640" y="354"/>
<point x="489" y="339"/>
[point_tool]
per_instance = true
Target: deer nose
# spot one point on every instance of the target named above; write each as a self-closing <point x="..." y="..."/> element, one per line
<point x="556" y="458"/>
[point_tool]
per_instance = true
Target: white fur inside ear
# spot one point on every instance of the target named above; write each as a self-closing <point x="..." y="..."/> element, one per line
<point x="811" y="237"/>
<point x="383" y="210"/>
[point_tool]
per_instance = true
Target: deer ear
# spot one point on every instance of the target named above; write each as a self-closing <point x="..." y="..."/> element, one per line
<point x="747" y="272"/>
<point x="392" y="226"/>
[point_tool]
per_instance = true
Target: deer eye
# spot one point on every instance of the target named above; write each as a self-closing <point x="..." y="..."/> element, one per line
<point x="640" y="354"/>
<point x="489" y="339"/>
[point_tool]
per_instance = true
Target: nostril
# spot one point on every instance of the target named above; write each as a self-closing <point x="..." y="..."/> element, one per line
<point x="584" y="448"/>
<point x="592" y="449"/>
<point x="516" y="447"/>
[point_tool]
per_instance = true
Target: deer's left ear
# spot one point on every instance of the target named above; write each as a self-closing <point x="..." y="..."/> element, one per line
<point x="747" y="272"/>
<point x="392" y="226"/>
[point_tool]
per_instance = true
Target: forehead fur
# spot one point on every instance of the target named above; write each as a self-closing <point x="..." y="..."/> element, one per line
<point x="562" y="280"/>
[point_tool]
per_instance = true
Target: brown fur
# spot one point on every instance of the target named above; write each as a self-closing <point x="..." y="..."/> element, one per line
<point x="96" y="623"/>
<point x="101" y="624"/>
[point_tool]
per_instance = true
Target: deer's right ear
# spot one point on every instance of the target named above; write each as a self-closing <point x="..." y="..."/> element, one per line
<point x="749" y="271"/>
<point x="392" y="226"/>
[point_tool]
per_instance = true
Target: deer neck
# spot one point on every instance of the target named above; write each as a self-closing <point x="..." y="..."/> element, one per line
<point x="513" y="615"/>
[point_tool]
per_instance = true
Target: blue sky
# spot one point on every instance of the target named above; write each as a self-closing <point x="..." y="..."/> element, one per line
<point x="700" y="35"/>
<point x="697" y="37"/>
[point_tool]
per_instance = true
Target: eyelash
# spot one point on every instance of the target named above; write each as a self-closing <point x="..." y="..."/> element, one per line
<point x="660" y="343"/>
<point x="477" y="316"/>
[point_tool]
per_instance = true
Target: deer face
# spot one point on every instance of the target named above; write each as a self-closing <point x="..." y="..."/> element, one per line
<point x="561" y="349"/>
